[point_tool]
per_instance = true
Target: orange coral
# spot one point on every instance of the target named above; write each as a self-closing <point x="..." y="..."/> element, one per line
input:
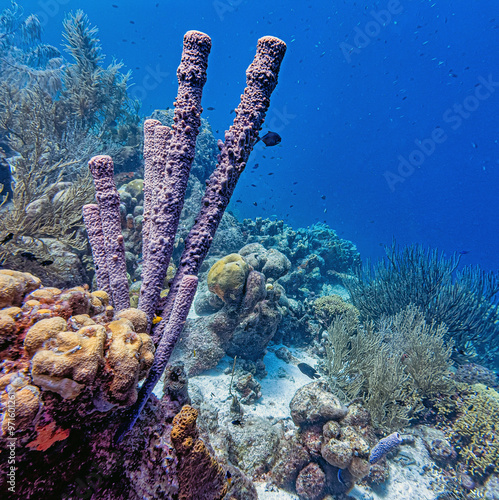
<point x="200" y="476"/>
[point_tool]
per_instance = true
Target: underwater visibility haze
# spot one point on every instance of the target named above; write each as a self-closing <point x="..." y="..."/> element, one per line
<point x="249" y="250"/>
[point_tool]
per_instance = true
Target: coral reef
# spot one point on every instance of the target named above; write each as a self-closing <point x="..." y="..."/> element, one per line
<point x="242" y="327"/>
<point x="330" y="436"/>
<point x="54" y="115"/>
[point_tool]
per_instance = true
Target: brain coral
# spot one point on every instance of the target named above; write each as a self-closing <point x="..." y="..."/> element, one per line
<point x="227" y="278"/>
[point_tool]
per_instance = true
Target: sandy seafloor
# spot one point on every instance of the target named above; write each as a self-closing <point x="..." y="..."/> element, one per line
<point x="411" y="470"/>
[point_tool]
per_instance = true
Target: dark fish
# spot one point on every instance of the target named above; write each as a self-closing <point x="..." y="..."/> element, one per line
<point x="255" y="203"/>
<point x="323" y="197"/>
<point x="271" y="173"/>
<point x="46" y="262"/>
<point x="253" y="185"/>
<point x="210" y="109"/>
<point x="132" y="22"/>
<point x="7" y="238"/>
<point x="237" y="422"/>
<point x="239" y="201"/>
<point x="308" y="370"/>
<point x="270" y="139"/>
<point x="256" y="166"/>
<point x="115" y="6"/>
<point x="464" y="252"/>
<point x="28" y="255"/>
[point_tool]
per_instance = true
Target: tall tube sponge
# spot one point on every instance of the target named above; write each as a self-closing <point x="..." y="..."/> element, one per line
<point x="171" y="170"/>
<point x="261" y="80"/>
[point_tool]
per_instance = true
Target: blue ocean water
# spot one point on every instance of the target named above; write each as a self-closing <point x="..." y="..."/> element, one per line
<point x="387" y="109"/>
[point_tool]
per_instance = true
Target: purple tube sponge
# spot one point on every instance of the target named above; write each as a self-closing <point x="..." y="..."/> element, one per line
<point x="93" y="223"/>
<point x="173" y="329"/>
<point x="156" y="139"/>
<point x="261" y="80"/>
<point x="166" y="208"/>
<point x="108" y="198"/>
<point x="384" y="446"/>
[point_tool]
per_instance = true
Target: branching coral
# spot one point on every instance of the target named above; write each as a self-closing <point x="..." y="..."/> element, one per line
<point x="466" y="302"/>
<point x="475" y="431"/>
<point x="391" y="367"/>
<point x="54" y="115"/>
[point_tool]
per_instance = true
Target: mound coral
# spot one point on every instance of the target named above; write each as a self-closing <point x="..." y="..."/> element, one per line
<point x="227" y="278"/>
<point x="330" y="437"/>
<point x="331" y="306"/>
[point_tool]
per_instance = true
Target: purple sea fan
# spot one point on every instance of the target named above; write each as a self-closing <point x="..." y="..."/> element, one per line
<point x="384" y="446"/>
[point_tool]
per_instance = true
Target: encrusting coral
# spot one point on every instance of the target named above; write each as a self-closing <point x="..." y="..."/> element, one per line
<point x="200" y="475"/>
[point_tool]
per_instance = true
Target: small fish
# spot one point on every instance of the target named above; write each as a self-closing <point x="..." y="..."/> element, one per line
<point x="256" y="166"/>
<point x="115" y="6"/>
<point x="464" y="252"/>
<point x="237" y="422"/>
<point x="124" y="176"/>
<point x="271" y="173"/>
<point x="239" y="201"/>
<point x="255" y="203"/>
<point x="323" y="197"/>
<point x="46" y="262"/>
<point x="270" y="139"/>
<point x="210" y="108"/>
<point x="228" y="477"/>
<point x="156" y="320"/>
<point x="7" y="238"/>
<point x="308" y="370"/>
<point x="194" y="352"/>
<point x="132" y="22"/>
<point x="28" y="255"/>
